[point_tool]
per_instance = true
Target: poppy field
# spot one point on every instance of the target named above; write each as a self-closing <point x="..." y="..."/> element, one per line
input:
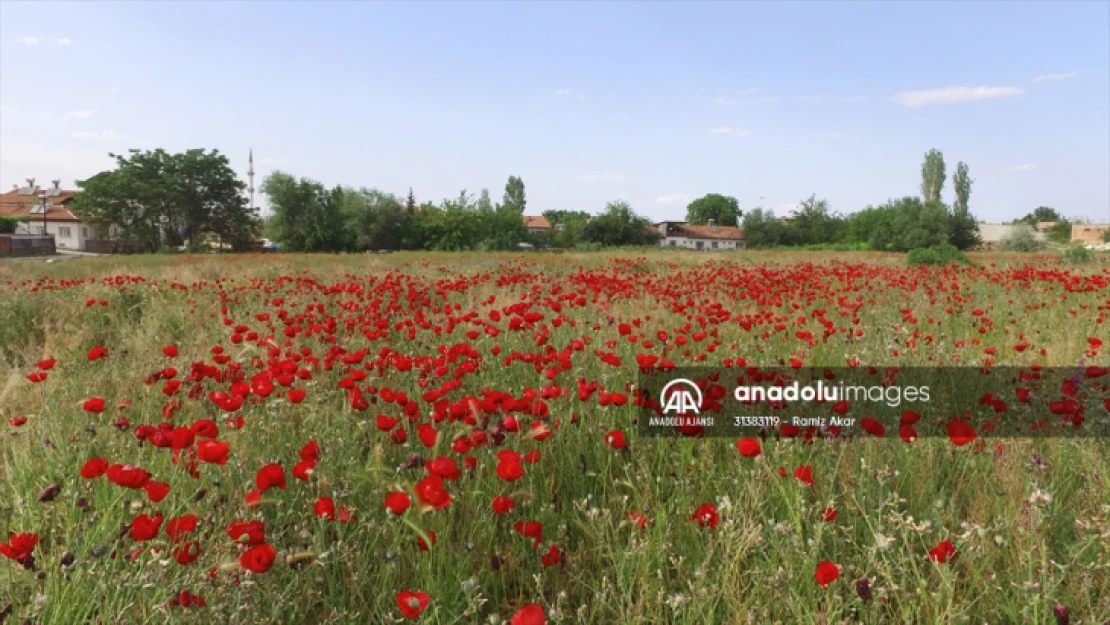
<point x="453" y="439"/>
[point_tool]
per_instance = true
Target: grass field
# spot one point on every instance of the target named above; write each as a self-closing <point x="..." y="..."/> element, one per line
<point x="473" y="420"/>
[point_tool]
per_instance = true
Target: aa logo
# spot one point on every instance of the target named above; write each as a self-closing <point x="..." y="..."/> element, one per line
<point x="680" y="396"/>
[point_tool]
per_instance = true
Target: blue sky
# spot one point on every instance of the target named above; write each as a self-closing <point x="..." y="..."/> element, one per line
<point x="650" y="102"/>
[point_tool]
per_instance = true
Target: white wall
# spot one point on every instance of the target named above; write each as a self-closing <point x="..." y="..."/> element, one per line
<point x="76" y="232"/>
<point x="707" y="244"/>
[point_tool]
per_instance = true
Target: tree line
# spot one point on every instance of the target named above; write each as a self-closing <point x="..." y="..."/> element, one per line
<point x="898" y="225"/>
<point x="309" y="217"/>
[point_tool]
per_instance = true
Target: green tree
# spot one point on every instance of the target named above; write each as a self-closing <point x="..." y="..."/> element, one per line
<point x="374" y="219"/>
<point x="410" y="202"/>
<point x="965" y="230"/>
<point x="1041" y="214"/>
<point x="812" y="224"/>
<point x="154" y="196"/>
<point x="562" y="216"/>
<point x="307" y="217"/>
<point x="723" y="209"/>
<point x="762" y="229"/>
<point x="1022" y="239"/>
<point x="514" y="195"/>
<point x="932" y="176"/>
<point x="620" y="225"/>
<point x="8" y="224"/>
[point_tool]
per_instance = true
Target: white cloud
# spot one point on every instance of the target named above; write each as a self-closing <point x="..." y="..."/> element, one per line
<point x="952" y="95"/>
<point x="29" y="41"/>
<point x="731" y="132"/>
<point x="562" y="92"/>
<point x="673" y="198"/>
<point x="85" y="114"/>
<point x="833" y="136"/>
<point x="807" y="98"/>
<point x="607" y="177"/>
<point x="109" y="135"/>
<point x="722" y="100"/>
<point x="1061" y="76"/>
<point x="62" y="41"/>
<point x="1024" y="167"/>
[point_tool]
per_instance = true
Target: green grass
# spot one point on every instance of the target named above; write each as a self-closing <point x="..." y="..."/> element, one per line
<point x="1030" y="520"/>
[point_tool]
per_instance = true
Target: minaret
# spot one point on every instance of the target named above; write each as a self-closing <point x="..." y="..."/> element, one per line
<point x="250" y="177"/>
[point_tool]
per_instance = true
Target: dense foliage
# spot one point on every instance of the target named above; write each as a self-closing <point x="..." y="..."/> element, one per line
<point x="159" y="199"/>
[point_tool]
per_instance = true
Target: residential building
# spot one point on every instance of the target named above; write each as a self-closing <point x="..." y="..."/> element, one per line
<point x="1088" y="233"/>
<point x="992" y="235"/>
<point x="708" y="237"/>
<point x="536" y="223"/>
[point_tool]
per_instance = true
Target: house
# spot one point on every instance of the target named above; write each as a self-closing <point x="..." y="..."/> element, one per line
<point x="707" y="237"/>
<point x="991" y="236"/>
<point x="1088" y="233"/>
<point x="536" y="223"/>
<point x="1043" y="226"/>
<point x="47" y="212"/>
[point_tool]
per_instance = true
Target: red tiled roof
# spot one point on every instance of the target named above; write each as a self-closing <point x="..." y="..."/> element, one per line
<point x="536" y="221"/>
<point x="690" y="231"/>
<point x="12" y="204"/>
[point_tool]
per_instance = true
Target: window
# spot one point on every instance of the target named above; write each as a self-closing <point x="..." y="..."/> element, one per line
<point x="84" y="233"/>
<point x="701" y="244"/>
<point x="64" y="232"/>
<point x="673" y="242"/>
<point x="714" y="245"/>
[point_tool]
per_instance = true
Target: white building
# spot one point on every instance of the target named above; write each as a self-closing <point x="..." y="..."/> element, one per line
<point x="47" y="214"/>
<point x="709" y="237"/>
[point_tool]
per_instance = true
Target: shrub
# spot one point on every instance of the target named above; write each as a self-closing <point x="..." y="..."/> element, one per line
<point x="1077" y="256"/>
<point x="9" y="224"/>
<point x="1022" y="239"/>
<point x="943" y="254"/>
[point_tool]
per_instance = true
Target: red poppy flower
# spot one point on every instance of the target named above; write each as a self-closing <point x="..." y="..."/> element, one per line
<point x="616" y="440"/>
<point x="943" y="552"/>
<point x="827" y="572"/>
<point x="748" y="447"/>
<point x="258" y="559"/>
<point x="296" y="395"/>
<point x="430" y="492"/>
<point x="829" y="515"/>
<point x="706" y="516"/>
<point x="873" y="427"/>
<point x="960" y="432"/>
<point x="187" y="553"/>
<point x="97" y="353"/>
<point x="94" y="468"/>
<point x="531" y="614"/>
<point x="127" y="476"/>
<point x="185" y="599"/>
<point x="270" y="476"/>
<point x="530" y="529"/>
<point x="324" y="508"/>
<point x="170" y="351"/>
<point x="509" y="467"/>
<point x="804" y="474"/>
<point x="303" y="470"/>
<point x="397" y="502"/>
<point x="412" y="603"/>
<point x="36" y="376"/>
<point x="181" y="526"/>
<point x="17" y="421"/>
<point x="444" y="467"/>
<point x="552" y="557"/>
<point x="156" y="491"/>
<point x="503" y="505"/>
<point x="214" y="452"/>
<point x="424" y="546"/>
<point x="249" y="533"/>
<point x="94" y="404"/>
<point x="145" y="527"/>
<point x="46" y="365"/>
<point x="19" y="547"/>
